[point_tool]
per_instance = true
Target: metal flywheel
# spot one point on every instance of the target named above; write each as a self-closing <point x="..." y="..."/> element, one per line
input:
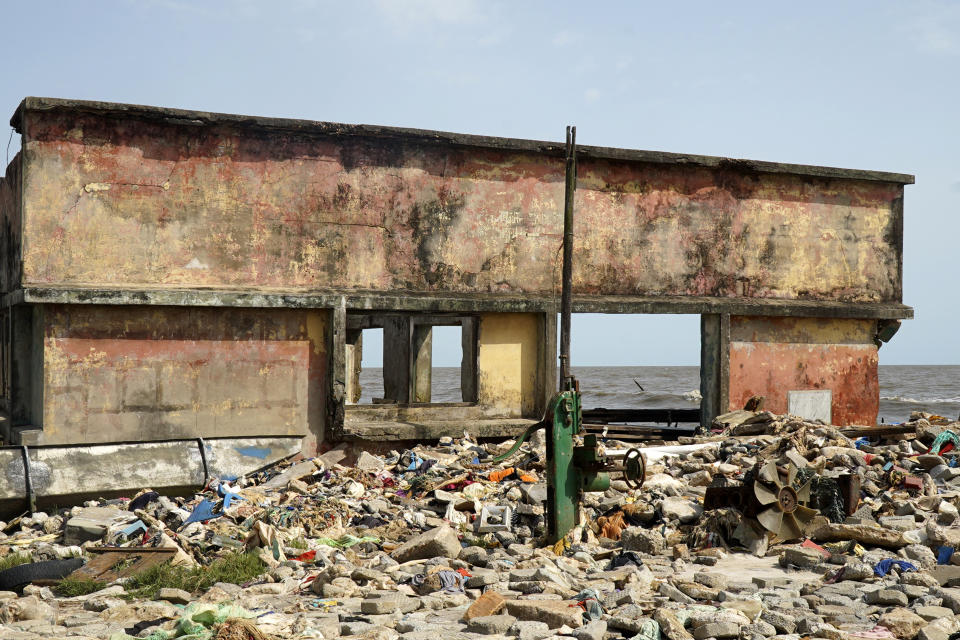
<point x="786" y="514"/>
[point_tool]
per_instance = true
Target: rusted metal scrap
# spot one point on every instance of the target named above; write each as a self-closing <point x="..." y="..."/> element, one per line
<point x="784" y="500"/>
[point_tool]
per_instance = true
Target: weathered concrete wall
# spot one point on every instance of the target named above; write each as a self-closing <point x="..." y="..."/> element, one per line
<point x="184" y="211"/>
<point x="140" y="373"/>
<point x="507" y="362"/>
<point x="10" y="186"/>
<point x="772" y="356"/>
<point x="112" y="200"/>
<point x="69" y="475"/>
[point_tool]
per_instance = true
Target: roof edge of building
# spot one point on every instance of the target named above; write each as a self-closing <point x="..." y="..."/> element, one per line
<point x="187" y="117"/>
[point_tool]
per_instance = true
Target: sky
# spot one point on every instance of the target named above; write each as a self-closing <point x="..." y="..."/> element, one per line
<point x="867" y="85"/>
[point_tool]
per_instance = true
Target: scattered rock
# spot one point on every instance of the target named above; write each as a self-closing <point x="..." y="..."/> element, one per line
<point x="440" y="542"/>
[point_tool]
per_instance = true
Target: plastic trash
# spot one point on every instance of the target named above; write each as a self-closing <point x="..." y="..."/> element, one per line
<point x="883" y="567"/>
<point x="202" y="512"/>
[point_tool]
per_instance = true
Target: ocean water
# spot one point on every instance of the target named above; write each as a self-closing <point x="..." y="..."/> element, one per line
<point x="903" y="388"/>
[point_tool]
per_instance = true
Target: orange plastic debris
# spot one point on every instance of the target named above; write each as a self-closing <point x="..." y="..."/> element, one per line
<point x="500" y="474"/>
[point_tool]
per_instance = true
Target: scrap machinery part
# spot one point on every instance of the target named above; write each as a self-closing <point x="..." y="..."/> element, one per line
<point x="634" y="468"/>
<point x="786" y="513"/>
<point x="783" y="499"/>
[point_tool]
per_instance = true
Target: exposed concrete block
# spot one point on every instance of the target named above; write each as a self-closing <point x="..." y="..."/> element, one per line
<point x="440" y="542"/>
<point x="92" y="523"/>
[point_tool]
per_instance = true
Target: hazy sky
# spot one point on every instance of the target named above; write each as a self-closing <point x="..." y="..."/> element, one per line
<point x="869" y="85"/>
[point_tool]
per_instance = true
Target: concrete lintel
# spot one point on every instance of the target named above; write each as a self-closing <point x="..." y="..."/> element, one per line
<point x="373" y="320"/>
<point x="450" y="303"/>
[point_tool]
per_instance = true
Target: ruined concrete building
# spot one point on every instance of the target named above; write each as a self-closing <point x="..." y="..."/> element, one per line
<point x="178" y="274"/>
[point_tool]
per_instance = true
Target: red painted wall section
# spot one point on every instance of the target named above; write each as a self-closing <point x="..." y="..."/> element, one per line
<point x="134" y="373"/>
<point x="771" y="356"/>
<point x="123" y="203"/>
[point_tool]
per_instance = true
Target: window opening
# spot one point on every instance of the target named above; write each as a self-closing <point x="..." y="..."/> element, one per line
<point x="641" y="370"/>
<point x="410" y="359"/>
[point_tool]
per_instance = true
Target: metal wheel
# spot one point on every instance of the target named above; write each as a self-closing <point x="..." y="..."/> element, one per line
<point x="634" y="468"/>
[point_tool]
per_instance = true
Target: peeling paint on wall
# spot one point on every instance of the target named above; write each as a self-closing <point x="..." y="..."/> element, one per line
<point x="507" y="362"/>
<point x="772" y="356"/>
<point x="137" y="204"/>
<point x="162" y="372"/>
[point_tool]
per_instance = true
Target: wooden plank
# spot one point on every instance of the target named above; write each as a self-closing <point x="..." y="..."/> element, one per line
<point x="114" y="563"/>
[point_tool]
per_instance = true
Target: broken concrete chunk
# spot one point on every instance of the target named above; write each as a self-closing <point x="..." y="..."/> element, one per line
<point x="554" y="613"/>
<point x="175" y="596"/>
<point x="491" y="625"/>
<point x="680" y="509"/>
<point x="717" y="630"/>
<point x="643" y="540"/>
<point x="439" y="542"/>
<point x="670" y="625"/>
<point x="384" y="603"/>
<point x="297" y="471"/>
<point x="92" y="523"/>
<point x="904" y="623"/>
<point x="490" y="603"/>
<point x="874" y="536"/>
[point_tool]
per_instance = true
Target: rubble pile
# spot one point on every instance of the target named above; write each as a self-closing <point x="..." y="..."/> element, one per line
<point x="861" y="539"/>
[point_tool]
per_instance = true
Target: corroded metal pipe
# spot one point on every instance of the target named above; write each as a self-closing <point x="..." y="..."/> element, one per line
<point x="566" y="295"/>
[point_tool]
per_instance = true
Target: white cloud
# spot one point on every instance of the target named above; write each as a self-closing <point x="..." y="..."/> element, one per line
<point x="305" y="35"/>
<point x="592" y="94"/>
<point x="565" y="38"/>
<point x="174" y="6"/>
<point x="934" y="27"/>
<point x="407" y="14"/>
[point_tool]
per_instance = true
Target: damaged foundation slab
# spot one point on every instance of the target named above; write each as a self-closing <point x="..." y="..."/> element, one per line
<point x="37" y="476"/>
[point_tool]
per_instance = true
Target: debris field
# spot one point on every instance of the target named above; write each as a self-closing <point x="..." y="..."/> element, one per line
<point x="766" y="527"/>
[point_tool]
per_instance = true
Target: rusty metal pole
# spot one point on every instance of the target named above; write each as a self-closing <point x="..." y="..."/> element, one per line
<point x="566" y="295"/>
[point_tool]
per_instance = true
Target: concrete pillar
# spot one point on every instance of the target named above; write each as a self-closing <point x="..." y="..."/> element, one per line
<point x="396" y="359"/>
<point x="337" y="375"/>
<point x="468" y="365"/>
<point x="26" y="366"/>
<point x="714" y="366"/>
<point x="421" y="362"/>
<point x="547" y="365"/>
<point x="354" y="358"/>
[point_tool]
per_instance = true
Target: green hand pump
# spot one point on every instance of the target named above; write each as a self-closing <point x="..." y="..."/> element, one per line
<point x="572" y="468"/>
